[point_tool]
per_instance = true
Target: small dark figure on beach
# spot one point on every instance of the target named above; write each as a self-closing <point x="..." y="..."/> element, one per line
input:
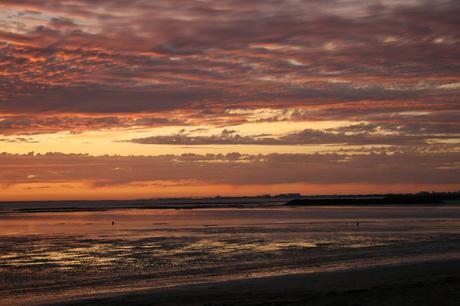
<point x="357" y="223"/>
<point x="113" y="222"/>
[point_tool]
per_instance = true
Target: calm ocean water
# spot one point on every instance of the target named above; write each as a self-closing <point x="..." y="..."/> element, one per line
<point x="53" y="255"/>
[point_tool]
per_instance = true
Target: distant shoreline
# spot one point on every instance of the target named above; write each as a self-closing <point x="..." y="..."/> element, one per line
<point x="389" y="199"/>
<point x="247" y="199"/>
<point x="266" y="201"/>
<point x="75" y="209"/>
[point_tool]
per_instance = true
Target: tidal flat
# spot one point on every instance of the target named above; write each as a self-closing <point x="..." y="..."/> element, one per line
<point x="48" y="257"/>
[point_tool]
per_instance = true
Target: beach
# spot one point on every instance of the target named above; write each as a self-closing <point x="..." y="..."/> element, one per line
<point x="425" y="283"/>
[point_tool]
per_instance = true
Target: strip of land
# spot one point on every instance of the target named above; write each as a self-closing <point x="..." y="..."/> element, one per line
<point x="388" y="199"/>
<point x="264" y="201"/>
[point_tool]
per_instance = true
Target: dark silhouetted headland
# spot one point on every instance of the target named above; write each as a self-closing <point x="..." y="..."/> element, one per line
<point x="422" y="198"/>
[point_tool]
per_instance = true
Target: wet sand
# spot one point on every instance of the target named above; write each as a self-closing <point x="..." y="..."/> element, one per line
<point x="425" y="283"/>
<point x="63" y="256"/>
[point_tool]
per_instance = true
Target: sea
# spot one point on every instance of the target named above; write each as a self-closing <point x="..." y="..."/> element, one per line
<point x="50" y="255"/>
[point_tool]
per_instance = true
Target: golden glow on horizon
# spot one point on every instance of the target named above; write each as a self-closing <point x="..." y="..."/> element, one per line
<point x="98" y="142"/>
<point x="83" y="191"/>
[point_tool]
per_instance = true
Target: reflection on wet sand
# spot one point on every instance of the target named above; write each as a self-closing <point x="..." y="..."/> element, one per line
<point x="49" y="255"/>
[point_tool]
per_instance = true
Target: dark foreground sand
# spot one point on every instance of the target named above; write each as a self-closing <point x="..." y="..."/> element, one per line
<point x="427" y="283"/>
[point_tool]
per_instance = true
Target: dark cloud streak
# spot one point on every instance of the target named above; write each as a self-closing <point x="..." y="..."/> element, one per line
<point x="363" y="134"/>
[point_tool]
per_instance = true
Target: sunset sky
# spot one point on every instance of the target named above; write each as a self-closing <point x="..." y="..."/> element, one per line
<point x="120" y="99"/>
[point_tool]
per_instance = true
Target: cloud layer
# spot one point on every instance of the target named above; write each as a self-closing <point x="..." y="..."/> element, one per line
<point x="233" y="72"/>
<point x="239" y="169"/>
<point x="144" y="56"/>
